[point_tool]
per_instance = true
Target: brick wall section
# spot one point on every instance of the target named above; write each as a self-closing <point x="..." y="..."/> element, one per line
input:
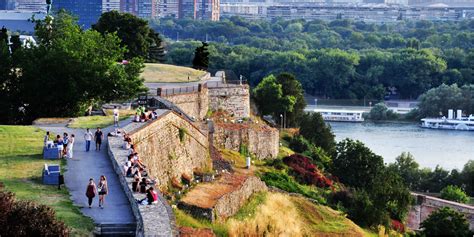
<point x="166" y="156"/>
<point x="261" y="140"/>
<point x="235" y="99"/>
<point x="426" y="205"/>
<point x="152" y="220"/>
<point x="194" y="104"/>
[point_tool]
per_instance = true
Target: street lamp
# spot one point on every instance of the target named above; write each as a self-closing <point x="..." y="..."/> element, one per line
<point x="281" y="121"/>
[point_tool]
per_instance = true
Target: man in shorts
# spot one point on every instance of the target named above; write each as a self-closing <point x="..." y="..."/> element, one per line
<point x="98" y="137"/>
<point x="116" y="116"/>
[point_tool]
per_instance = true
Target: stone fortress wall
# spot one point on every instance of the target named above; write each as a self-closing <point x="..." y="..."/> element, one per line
<point x="233" y="98"/>
<point x="167" y="154"/>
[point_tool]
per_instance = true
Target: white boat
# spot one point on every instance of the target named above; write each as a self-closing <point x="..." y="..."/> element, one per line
<point x="450" y="123"/>
<point x="338" y="115"/>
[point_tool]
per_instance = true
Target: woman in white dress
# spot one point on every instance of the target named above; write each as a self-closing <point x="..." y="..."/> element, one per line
<point x="70" y="146"/>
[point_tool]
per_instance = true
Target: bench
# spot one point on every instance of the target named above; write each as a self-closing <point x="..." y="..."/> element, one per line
<point x="51" y="174"/>
<point x="50" y="153"/>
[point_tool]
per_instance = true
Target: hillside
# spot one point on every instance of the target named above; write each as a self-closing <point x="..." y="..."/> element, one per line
<point x="155" y="72"/>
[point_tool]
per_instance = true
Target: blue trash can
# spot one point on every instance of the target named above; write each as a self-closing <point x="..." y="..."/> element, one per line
<point x="51" y="174"/>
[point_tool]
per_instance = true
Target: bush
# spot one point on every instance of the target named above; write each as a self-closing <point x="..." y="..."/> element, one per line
<point x="25" y="218"/>
<point x="306" y="172"/>
<point x="446" y="222"/>
<point x="454" y="193"/>
<point x="300" y="145"/>
<point x="381" y="112"/>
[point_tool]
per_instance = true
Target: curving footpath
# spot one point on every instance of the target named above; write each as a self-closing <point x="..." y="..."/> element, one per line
<point x="117" y="217"/>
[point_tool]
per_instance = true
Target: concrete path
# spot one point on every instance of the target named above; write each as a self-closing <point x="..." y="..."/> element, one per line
<point x="93" y="164"/>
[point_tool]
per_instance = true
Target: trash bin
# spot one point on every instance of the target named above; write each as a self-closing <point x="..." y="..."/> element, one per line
<point x="51" y="174"/>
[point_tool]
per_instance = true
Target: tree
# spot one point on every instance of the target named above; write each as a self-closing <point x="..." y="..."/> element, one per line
<point x="406" y="166"/>
<point x="315" y="130"/>
<point x="381" y="112"/>
<point x="201" y="57"/>
<point x="438" y="100"/>
<point x="467" y="175"/>
<point x="292" y="88"/>
<point x="156" y="51"/>
<point x="356" y="165"/>
<point x="134" y="32"/>
<point x="69" y="70"/>
<point x="270" y="98"/>
<point x="454" y="193"/>
<point x="446" y="222"/>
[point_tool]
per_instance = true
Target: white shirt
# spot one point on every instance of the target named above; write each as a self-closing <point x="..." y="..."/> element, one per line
<point x="88" y="136"/>
<point x="116" y="112"/>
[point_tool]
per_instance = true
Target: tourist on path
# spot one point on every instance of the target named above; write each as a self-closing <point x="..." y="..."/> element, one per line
<point x="71" y="146"/>
<point x="103" y="190"/>
<point x="66" y="142"/>
<point x="88" y="137"/>
<point x="46" y="139"/>
<point x="116" y="116"/>
<point x="60" y="145"/>
<point x="98" y="137"/>
<point x="91" y="191"/>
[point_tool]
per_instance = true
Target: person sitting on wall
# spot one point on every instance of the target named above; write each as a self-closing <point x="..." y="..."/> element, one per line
<point x="127" y="166"/>
<point x="151" y="197"/>
<point x="135" y="187"/>
<point x="136" y="160"/>
<point x="136" y="118"/>
<point x="143" y="185"/>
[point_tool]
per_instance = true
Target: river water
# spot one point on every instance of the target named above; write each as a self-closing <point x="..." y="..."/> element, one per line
<point x="449" y="149"/>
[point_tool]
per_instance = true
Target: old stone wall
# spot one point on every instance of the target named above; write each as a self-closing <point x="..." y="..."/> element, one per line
<point x="235" y="99"/>
<point x="426" y="205"/>
<point x="167" y="154"/>
<point x="261" y="140"/>
<point x="194" y="102"/>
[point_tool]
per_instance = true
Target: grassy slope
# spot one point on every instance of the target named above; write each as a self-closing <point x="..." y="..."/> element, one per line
<point x="155" y="72"/>
<point x="99" y="121"/>
<point x="21" y="165"/>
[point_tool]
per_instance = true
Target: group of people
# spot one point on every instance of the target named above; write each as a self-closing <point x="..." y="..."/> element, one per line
<point x="98" y="137"/>
<point x="65" y="144"/>
<point x="143" y="115"/>
<point x="135" y="169"/>
<point x="101" y="189"/>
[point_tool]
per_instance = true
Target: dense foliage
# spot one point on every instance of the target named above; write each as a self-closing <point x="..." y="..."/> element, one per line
<point x="339" y="59"/>
<point x="68" y="71"/>
<point x="201" y="57"/>
<point x="454" y="193"/>
<point x="381" y="112"/>
<point x="306" y="172"/>
<point x="439" y="100"/>
<point x="446" y="222"/>
<point x="24" y="218"/>
<point x="314" y="129"/>
<point x="319" y="157"/>
<point x="134" y="33"/>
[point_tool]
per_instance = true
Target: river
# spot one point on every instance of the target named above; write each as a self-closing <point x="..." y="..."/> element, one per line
<point x="449" y="149"/>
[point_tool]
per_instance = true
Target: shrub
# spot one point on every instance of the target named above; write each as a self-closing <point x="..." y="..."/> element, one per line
<point x="454" y="193"/>
<point x="381" y="112"/>
<point x="300" y="145"/>
<point x="306" y="172"/>
<point x="25" y="218"/>
<point x="182" y="133"/>
<point x="446" y="222"/>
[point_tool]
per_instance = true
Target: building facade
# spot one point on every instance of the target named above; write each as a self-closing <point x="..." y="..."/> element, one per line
<point x="7" y="4"/>
<point x="146" y="9"/>
<point x="168" y="8"/>
<point x="110" y="5"/>
<point x="30" y="5"/>
<point x="187" y="9"/>
<point x="87" y="11"/>
<point x="128" y="6"/>
<point x="209" y="10"/>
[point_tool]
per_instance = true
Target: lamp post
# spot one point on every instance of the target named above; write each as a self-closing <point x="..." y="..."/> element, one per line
<point x="281" y="121"/>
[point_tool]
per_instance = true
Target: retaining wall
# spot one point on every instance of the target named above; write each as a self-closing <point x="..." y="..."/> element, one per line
<point x="235" y="99"/>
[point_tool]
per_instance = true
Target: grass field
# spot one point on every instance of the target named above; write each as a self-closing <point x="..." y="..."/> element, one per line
<point x="155" y="72"/>
<point x="21" y="165"/>
<point x="96" y="121"/>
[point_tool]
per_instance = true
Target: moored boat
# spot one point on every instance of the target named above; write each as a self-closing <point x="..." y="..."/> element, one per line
<point x="459" y="122"/>
<point x="339" y="115"/>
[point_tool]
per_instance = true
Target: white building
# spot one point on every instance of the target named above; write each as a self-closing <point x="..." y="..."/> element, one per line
<point x="110" y="5"/>
<point x="30" y="5"/>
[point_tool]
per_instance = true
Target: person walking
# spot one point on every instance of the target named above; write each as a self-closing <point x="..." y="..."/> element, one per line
<point x="60" y="145"/>
<point x="98" y="137"/>
<point x="66" y="142"/>
<point x="71" y="146"/>
<point x="46" y="138"/>
<point x="88" y="137"/>
<point x="103" y="190"/>
<point x="91" y="191"/>
<point x="116" y="116"/>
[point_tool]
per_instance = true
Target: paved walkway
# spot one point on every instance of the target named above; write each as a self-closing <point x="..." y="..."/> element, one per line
<point x="85" y="165"/>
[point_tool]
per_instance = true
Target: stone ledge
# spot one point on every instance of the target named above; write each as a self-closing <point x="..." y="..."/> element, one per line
<point x="152" y="220"/>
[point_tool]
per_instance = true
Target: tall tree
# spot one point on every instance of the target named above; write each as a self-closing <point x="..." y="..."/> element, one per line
<point x="314" y="129"/>
<point x="156" y="52"/>
<point x="292" y="88"/>
<point x="446" y="222"/>
<point x="201" y="57"/>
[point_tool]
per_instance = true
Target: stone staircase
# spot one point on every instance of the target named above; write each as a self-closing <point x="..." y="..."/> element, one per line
<point x="115" y="229"/>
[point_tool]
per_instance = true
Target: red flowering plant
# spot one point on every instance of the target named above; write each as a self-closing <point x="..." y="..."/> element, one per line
<point x="398" y="226"/>
<point x="306" y="172"/>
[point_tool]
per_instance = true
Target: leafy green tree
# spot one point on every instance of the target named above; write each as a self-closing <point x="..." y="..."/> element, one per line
<point x="454" y="193"/>
<point x="408" y="169"/>
<point x="315" y="130"/>
<point x="381" y="112"/>
<point x="291" y="88"/>
<point x="201" y="57"/>
<point x="467" y="176"/>
<point x="133" y="32"/>
<point x="356" y="165"/>
<point x="268" y="96"/>
<point x="439" y="100"/>
<point x="156" y="51"/>
<point x="446" y="222"/>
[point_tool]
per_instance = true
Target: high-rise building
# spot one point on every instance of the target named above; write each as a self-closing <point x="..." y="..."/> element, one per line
<point x="7" y="4"/>
<point x="128" y="6"/>
<point x="146" y="8"/>
<point x="168" y="8"/>
<point x="209" y="10"/>
<point x="187" y="9"/>
<point x="30" y="5"/>
<point x="110" y="5"/>
<point x="88" y="11"/>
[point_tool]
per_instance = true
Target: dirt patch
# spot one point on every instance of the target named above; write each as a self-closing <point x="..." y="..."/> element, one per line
<point x="192" y="232"/>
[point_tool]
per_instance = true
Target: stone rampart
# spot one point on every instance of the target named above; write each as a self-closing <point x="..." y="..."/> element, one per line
<point x="194" y="100"/>
<point x="152" y="220"/>
<point x="261" y="140"/>
<point x="170" y="146"/>
<point x="425" y="205"/>
<point x="235" y="99"/>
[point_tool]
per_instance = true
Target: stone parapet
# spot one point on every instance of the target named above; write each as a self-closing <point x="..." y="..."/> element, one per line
<point x="235" y="99"/>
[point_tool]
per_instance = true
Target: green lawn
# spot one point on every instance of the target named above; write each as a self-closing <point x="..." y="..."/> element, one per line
<point x="21" y="165"/>
<point x="94" y="121"/>
<point x="155" y="72"/>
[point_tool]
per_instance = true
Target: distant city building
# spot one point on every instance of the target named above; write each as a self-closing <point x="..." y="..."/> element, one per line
<point x="209" y="10"/>
<point x="110" y="5"/>
<point x="88" y="11"/>
<point x="30" y="5"/>
<point x="129" y="6"/>
<point x="168" y="8"/>
<point x="7" y="4"/>
<point x="146" y="9"/>
<point x="187" y="9"/>
<point x="19" y="21"/>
